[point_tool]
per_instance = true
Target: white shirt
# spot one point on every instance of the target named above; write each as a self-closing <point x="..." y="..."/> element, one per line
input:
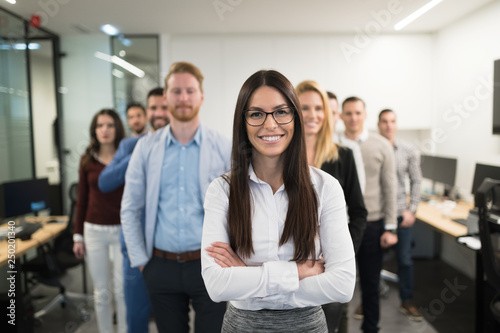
<point x="358" y="158"/>
<point x="270" y="280"/>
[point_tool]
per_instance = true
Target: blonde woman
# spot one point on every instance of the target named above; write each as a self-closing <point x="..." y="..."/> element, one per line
<point x="336" y="160"/>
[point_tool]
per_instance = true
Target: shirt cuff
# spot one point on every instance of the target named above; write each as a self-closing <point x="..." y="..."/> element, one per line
<point x="391" y="227"/>
<point x="77" y="238"/>
<point x="283" y="276"/>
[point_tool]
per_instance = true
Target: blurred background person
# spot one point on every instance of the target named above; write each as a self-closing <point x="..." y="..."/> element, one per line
<point x="112" y="177"/>
<point x="356" y="151"/>
<point x="339" y="162"/>
<point x="407" y="168"/>
<point x="136" y="117"/>
<point x="97" y="223"/>
<point x="380" y="202"/>
<point x="162" y="206"/>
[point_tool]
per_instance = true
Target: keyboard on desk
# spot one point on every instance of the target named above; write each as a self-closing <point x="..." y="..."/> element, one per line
<point x="461" y="221"/>
<point x="25" y="231"/>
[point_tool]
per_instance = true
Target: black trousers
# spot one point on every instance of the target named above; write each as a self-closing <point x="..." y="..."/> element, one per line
<point x="171" y="286"/>
<point x="336" y="317"/>
<point x="370" y="264"/>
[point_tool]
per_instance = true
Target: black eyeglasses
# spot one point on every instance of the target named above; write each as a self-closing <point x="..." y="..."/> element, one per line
<point x="281" y="116"/>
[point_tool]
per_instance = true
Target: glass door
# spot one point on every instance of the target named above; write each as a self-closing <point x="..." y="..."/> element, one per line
<point x="29" y="63"/>
<point x="16" y="141"/>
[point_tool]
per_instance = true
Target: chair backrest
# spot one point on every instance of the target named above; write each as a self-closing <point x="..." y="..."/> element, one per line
<point x="63" y="243"/>
<point x="489" y="231"/>
<point x="73" y="195"/>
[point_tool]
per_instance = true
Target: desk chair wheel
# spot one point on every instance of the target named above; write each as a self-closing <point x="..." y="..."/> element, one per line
<point x="495" y="307"/>
<point x="384" y="289"/>
<point x="84" y="315"/>
<point x="38" y="322"/>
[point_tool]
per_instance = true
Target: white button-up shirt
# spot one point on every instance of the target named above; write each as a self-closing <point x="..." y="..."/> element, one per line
<point x="358" y="157"/>
<point x="270" y="280"/>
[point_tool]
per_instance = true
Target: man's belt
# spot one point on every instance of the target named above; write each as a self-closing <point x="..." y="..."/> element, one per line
<point x="180" y="257"/>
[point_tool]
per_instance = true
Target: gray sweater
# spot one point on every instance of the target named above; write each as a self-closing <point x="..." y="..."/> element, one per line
<point x="381" y="180"/>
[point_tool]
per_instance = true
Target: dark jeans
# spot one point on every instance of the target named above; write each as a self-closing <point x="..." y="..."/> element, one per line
<point x="171" y="286"/>
<point x="370" y="264"/>
<point x="136" y="295"/>
<point x="405" y="262"/>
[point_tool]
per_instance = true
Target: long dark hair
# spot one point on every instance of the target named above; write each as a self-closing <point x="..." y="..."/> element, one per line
<point x="94" y="145"/>
<point x="301" y="222"/>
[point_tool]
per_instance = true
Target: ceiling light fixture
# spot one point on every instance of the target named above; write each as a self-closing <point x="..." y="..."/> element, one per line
<point x="11" y="1"/>
<point x="110" y="30"/>
<point x="120" y="62"/>
<point x="117" y="73"/>
<point x="22" y="46"/>
<point x="416" y="14"/>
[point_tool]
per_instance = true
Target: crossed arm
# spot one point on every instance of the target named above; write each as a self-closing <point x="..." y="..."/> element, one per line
<point x="225" y="257"/>
<point x="268" y="281"/>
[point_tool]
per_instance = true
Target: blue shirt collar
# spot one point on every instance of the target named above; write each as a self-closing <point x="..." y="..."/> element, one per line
<point x="196" y="139"/>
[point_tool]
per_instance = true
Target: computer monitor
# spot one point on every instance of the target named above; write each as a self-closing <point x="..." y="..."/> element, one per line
<point x="445" y="170"/>
<point x="496" y="97"/>
<point x="439" y="169"/>
<point x="23" y="197"/>
<point x="484" y="171"/>
<point x="427" y="166"/>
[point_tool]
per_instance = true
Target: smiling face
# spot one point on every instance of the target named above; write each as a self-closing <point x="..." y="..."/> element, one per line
<point x="105" y="129"/>
<point x="313" y="112"/>
<point x="157" y="112"/>
<point x="270" y="139"/>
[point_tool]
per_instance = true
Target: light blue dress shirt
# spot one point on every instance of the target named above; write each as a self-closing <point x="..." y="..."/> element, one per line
<point x="142" y="185"/>
<point x="180" y="216"/>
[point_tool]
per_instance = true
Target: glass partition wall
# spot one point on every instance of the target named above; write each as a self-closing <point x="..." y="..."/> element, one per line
<point x="29" y="107"/>
<point x="136" y="72"/>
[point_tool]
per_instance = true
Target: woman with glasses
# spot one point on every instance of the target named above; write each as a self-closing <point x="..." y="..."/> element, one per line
<point x="338" y="161"/>
<point x="275" y="236"/>
<point x="97" y="221"/>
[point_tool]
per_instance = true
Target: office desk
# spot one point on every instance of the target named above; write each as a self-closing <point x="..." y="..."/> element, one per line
<point x="46" y="233"/>
<point x="432" y="216"/>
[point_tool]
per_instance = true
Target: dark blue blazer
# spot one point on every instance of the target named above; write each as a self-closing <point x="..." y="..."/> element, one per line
<point x="113" y="174"/>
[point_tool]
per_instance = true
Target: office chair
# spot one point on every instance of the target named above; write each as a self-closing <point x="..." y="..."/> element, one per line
<point x="386" y="275"/>
<point x="53" y="260"/>
<point x="487" y="199"/>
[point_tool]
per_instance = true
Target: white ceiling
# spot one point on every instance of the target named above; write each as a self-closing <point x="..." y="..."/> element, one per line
<point x="70" y="17"/>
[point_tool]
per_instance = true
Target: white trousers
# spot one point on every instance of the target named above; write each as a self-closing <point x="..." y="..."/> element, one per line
<point x="105" y="262"/>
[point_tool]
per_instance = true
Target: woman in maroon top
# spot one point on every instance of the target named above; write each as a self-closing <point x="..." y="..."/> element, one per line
<point x="97" y="222"/>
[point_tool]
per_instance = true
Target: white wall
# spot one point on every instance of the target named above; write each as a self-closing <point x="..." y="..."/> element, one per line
<point x="421" y="76"/>
<point x="390" y="71"/>
<point x="462" y="117"/>
<point x="464" y="55"/>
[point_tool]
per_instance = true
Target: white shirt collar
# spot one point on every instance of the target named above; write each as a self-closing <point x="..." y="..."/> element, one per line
<point x="361" y="138"/>
<point x="253" y="177"/>
<point x="251" y="174"/>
